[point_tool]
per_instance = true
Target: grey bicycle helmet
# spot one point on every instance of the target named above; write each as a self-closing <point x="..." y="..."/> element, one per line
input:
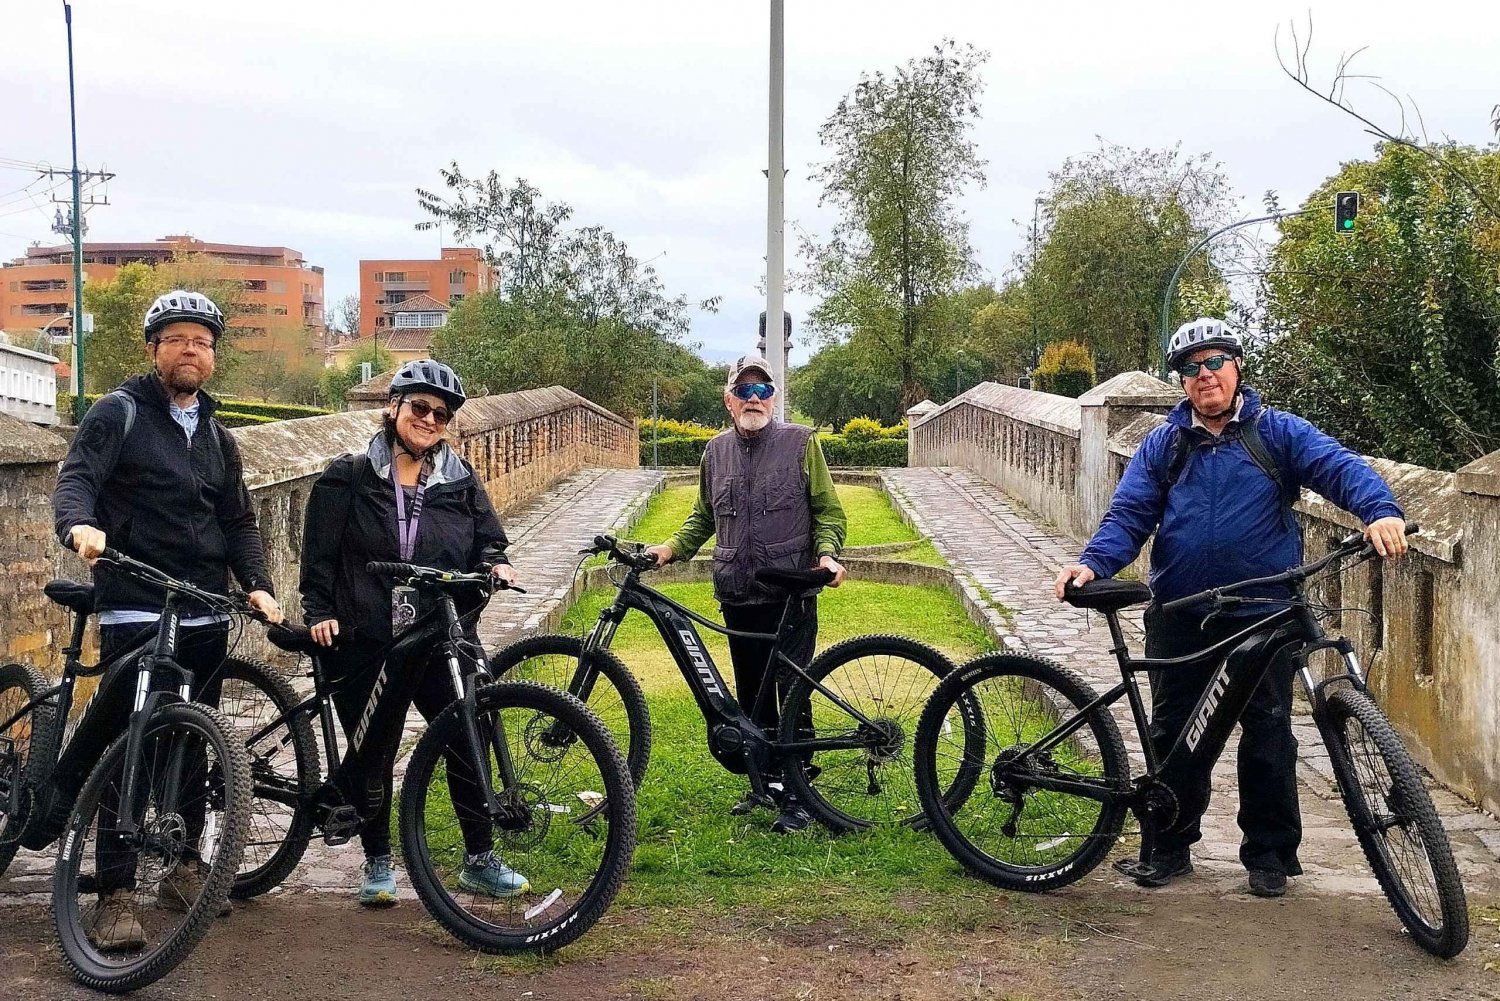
<point x="1204" y="332"/>
<point x="427" y="376"/>
<point x="182" y="306"/>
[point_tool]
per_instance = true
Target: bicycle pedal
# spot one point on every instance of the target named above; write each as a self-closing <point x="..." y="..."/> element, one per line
<point x="340" y="824"/>
<point x="1134" y="868"/>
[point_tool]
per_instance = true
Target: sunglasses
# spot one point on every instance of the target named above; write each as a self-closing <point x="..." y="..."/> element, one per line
<point x="1213" y="363"/>
<point x="753" y="390"/>
<point x="421" y="411"/>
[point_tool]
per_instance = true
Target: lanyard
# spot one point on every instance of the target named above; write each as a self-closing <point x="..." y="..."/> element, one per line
<point x="406" y="528"/>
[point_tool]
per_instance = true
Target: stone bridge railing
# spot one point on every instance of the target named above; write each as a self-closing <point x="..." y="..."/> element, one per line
<point x="1431" y="638"/>
<point x="519" y="443"/>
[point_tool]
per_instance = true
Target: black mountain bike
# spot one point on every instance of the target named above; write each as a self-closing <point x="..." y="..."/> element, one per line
<point x="144" y="784"/>
<point x="844" y="745"/>
<point x="1059" y="781"/>
<point x="558" y="801"/>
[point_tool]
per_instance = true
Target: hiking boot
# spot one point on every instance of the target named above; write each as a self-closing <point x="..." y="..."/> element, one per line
<point x="113" y="925"/>
<point x="1267" y="883"/>
<point x="486" y="874"/>
<point x="1169" y="865"/>
<point x="793" y="817"/>
<point x="182" y="886"/>
<point x="378" y="888"/>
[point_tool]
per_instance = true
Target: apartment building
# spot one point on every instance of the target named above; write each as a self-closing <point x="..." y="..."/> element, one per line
<point x="458" y="272"/>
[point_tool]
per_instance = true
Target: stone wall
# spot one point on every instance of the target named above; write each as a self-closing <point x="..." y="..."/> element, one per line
<point x="519" y="443"/>
<point x="1429" y="632"/>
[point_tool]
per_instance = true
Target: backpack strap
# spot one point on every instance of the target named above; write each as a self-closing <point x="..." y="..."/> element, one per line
<point x="128" y="402"/>
<point x="1181" y="447"/>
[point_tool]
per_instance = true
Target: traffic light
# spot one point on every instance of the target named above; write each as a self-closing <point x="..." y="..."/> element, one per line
<point x="760" y="345"/>
<point x="1345" y="208"/>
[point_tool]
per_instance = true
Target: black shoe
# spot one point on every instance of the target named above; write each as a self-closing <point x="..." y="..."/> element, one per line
<point x="1265" y="883"/>
<point x="1169" y="865"/>
<point x="792" y="819"/>
<point x="750" y="803"/>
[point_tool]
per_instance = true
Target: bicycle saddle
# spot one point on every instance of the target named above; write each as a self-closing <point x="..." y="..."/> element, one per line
<point x="794" y="581"/>
<point x="71" y="594"/>
<point x="295" y="639"/>
<point x="1107" y="595"/>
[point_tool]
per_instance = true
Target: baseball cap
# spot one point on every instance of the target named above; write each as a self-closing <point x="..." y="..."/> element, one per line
<point x="751" y="361"/>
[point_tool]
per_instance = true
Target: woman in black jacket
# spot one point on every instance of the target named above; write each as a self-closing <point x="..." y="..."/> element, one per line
<point x="409" y="498"/>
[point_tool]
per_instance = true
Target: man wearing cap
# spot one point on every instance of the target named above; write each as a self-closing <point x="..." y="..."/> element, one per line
<point x="764" y="490"/>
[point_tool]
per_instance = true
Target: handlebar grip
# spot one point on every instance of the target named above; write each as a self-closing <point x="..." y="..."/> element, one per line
<point x="110" y="553"/>
<point x="1191" y="599"/>
<point x="1412" y="528"/>
<point x="390" y="569"/>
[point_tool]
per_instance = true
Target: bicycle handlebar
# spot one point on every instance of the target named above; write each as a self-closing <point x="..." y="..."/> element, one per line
<point x="434" y="577"/>
<point x="233" y="602"/>
<point x="609" y="545"/>
<point x="1351" y="545"/>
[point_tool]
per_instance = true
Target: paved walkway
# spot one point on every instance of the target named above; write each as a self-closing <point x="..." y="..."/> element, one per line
<point x="545" y="538"/>
<point x="1009" y="560"/>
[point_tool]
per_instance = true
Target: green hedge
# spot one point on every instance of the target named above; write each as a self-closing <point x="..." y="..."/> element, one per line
<point x="240" y="419"/>
<point x="234" y="413"/>
<point x="681" y="450"/>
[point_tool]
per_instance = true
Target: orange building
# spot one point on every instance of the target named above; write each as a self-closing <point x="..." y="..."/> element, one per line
<point x="459" y="272"/>
<point x="281" y="289"/>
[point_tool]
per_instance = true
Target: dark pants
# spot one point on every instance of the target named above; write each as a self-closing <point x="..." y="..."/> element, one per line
<point x="201" y="650"/>
<point x="434" y="693"/>
<point x="751" y="657"/>
<point x="1269" y="814"/>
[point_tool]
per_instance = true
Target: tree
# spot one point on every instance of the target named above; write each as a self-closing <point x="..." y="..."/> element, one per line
<point x="1066" y="368"/>
<point x="282" y="362"/>
<point x="1115" y="224"/>
<point x="1002" y="334"/>
<point x="347" y="319"/>
<point x="901" y="156"/>
<point x="1389" y="337"/>
<point x="522" y="234"/>
<point x="841" y="382"/>
<point x="336" y="382"/>
<point x="115" y="350"/>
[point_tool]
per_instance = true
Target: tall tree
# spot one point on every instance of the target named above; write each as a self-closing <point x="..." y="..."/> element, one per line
<point x="902" y="154"/>
<point x="345" y="316"/>
<point x="114" y="352"/>
<point x="521" y="233"/>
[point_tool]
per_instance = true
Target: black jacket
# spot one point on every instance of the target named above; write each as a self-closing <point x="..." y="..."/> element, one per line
<point x="349" y="525"/>
<point x="176" y="504"/>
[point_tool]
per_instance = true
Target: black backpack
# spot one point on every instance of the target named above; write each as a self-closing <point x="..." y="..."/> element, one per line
<point x="1181" y="446"/>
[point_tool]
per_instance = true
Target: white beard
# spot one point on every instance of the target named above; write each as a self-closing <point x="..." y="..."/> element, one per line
<point x="750" y="422"/>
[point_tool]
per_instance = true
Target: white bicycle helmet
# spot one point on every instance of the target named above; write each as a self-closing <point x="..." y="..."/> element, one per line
<point x="1204" y="332"/>
<point x="181" y="306"/>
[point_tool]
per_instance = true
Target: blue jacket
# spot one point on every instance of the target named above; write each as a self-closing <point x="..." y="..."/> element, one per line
<point x="1224" y="521"/>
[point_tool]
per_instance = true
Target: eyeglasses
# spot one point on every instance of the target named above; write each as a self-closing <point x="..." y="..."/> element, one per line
<point x="753" y="390"/>
<point x="178" y="343"/>
<point x="422" y="410"/>
<point x="1213" y="363"/>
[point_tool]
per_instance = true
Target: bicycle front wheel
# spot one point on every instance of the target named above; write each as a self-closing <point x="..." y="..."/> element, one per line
<point x="863" y="776"/>
<point x="129" y="906"/>
<point x="540" y="873"/>
<point x="1016" y="832"/>
<point x="1396" y="823"/>
<point x="26" y="747"/>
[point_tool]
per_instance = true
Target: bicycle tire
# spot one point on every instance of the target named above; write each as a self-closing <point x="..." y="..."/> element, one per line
<point x="833" y="796"/>
<point x="1016" y="679"/>
<point x="34" y="737"/>
<point x="278" y="836"/>
<point x="91" y="966"/>
<point x="1410" y="808"/>
<point x="616" y="698"/>
<point x="615" y="805"/>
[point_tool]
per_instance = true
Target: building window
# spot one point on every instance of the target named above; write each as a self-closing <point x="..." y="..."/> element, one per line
<point x="379" y="321"/>
<point x="420" y="321"/>
<point x="455" y="298"/>
<point x="44" y="285"/>
<point x="252" y="308"/>
<point x="278" y="311"/>
<point x="255" y="285"/>
<point x="456" y="277"/>
<point x="276" y="286"/>
<point x="380" y="276"/>
<point x="393" y="276"/>
<point x="392" y="298"/>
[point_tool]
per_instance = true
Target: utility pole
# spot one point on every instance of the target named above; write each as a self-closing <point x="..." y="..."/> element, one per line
<point x="776" y="208"/>
<point x="1036" y="349"/>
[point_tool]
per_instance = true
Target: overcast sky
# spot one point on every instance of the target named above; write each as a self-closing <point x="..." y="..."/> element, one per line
<point x="308" y="124"/>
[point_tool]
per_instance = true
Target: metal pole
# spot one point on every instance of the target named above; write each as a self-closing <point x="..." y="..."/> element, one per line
<point x="1031" y="286"/>
<point x="655" y="428"/>
<point x="79" y="404"/>
<point x="1166" y="299"/>
<point x="776" y="213"/>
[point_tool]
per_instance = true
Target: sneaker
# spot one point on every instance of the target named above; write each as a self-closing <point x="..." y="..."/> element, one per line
<point x="113" y="926"/>
<point x="378" y="889"/>
<point x="488" y="875"/>
<point x="182" y="886"/>
<point x="1169" y="865"/>
<point x="793" y="818"/>
<point x="1267" y="883"/>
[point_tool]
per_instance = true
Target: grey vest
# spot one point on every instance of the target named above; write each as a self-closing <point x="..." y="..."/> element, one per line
<point x="762" y="511"/>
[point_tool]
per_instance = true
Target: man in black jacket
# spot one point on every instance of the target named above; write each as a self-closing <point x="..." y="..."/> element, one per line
<point x="152" y="474"/>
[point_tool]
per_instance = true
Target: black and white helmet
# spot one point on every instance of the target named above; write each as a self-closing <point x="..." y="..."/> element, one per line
<point x="181" y="306"/>
<point x="1203" y="332"/>
<point x="427" y="376"/>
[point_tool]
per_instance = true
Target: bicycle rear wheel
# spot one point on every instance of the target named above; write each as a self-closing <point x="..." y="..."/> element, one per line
<point x="284" y="768"/>
<point x="1012" y="832"/>
<point x="159" y="889"/>
<point x="1396" y="823"/>
<point x="26" y="747"/>
<point x="616" y="697"/>
<point x="568" y="829"/>
<point x="887" y="679"/>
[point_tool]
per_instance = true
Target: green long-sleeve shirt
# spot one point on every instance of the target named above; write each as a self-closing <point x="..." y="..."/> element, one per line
<point x="829" y="525"/>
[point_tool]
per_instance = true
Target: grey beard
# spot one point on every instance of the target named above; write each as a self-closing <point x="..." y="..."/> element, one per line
<point x="751" y="423"/>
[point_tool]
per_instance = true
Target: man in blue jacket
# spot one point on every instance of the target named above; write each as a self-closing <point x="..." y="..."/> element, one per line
<point x="1216" y="483"/>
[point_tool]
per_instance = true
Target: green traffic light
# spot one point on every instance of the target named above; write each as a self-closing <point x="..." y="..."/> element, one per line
<point x="1348" y="223"/>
